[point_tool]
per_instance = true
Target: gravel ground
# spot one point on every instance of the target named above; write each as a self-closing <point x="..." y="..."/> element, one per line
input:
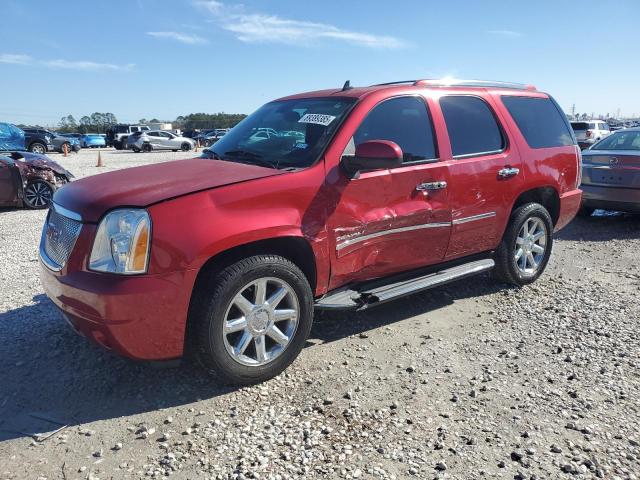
<point x="476" y="380"/>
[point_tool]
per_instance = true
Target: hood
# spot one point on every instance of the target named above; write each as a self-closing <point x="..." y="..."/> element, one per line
<point x="92" y="196"/>
<point x="36" y="160"/>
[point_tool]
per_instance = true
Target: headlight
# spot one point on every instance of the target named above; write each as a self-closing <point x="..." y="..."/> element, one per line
<point x="122" y="242"/>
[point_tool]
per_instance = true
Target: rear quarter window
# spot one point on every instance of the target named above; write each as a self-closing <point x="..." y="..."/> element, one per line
<point x="540" y="121"/>
<point x="472" y="126"/>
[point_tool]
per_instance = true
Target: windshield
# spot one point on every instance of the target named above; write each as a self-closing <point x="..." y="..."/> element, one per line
<point x="283" y="134"/>
<point x="620" y="140"/>
<point x="580" y="125"/>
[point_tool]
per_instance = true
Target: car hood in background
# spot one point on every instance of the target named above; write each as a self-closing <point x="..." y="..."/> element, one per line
<point x="92" y="196"/>
<point x="36" y="160"/>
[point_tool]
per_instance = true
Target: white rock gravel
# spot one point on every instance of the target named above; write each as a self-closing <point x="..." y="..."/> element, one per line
<point x="476" y="380"/>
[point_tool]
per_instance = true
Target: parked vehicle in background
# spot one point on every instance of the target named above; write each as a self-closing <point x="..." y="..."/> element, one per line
<point x="395" y="189"/>
<point x="212" y="137"/>
<point x="590" y="132"/>
<point x="92" y="140"/>
<point x="26" y="179"/>
<point x="160" y="140"/>
<point x="71" y="135"/>
<point x="611" y="173"/>
<point x="39" y="140"/>
<point x="117" y="135"/>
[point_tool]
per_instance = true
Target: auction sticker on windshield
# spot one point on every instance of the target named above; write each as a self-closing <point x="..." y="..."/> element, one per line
<point x="317" y="118"/>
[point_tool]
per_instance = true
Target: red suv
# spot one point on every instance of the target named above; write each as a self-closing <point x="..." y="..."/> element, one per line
<point x="359" y="196"/>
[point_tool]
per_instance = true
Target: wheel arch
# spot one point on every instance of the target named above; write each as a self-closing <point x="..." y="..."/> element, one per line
<point x="296" y="249"/>
<point x="546" y="196"/>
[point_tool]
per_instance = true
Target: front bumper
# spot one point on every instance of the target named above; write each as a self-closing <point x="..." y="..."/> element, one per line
<point x="142" y="317"/>
<point x="611" y="198"/>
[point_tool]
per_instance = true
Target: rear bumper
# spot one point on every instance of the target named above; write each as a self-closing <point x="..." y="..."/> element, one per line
<point x="569" y="206"/>
<point x="141" y="317"/>
<point x="611" y="198"/>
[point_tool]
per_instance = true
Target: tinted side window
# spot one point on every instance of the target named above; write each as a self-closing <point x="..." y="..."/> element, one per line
<point x="539" y="121"/>
<point x="471" y="125"/>
<point x="403" y="120"/>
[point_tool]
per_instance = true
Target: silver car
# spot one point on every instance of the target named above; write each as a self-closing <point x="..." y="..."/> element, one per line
<point x="611" y="173"/>
<point x="160" y="140"/>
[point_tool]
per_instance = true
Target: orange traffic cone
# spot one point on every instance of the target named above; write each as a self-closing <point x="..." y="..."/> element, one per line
<point x="197" y="145"/>
<point x="99" y="164"/>
<point x="65" y="149"/>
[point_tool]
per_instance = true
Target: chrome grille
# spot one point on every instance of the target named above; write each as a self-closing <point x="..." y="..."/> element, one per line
<point x="58" y="238"/>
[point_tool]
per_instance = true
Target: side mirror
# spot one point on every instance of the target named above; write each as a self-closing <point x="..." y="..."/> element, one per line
<point x="373" y="155"/>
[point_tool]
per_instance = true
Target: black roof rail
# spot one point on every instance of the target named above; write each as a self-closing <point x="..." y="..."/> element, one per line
<point x="454" y="82"/>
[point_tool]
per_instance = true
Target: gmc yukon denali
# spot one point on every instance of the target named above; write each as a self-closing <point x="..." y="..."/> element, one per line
<point x="358" y="196"/>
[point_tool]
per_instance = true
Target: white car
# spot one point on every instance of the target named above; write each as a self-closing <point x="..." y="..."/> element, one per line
<point x="160" y="140"/>
<point x="590" y="132"/>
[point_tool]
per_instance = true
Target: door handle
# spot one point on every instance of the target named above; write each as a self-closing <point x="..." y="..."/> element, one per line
<point x="423" y="187"/>
<point x="508" y="172"/>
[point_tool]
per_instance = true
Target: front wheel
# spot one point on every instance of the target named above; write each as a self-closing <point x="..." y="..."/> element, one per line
<point x="38" y="194"/>
<point x="251" y="320"/>
<point x="37" y="147"/>
<point x="186" y="147"/>
<point x="526" y="245"/>
<point x="146" y="147"/>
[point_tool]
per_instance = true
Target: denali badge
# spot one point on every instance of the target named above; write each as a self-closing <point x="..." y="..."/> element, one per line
<point x="613" y="160"/>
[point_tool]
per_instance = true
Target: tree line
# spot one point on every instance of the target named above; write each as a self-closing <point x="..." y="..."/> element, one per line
<point x="99" y="122"/>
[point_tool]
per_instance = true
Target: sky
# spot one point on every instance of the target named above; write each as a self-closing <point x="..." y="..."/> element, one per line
<point x="164" y="58"/>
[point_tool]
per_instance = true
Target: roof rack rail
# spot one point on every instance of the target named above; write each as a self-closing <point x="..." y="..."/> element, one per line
<point x="455" y="82"/>
<point x="395" y="83"/>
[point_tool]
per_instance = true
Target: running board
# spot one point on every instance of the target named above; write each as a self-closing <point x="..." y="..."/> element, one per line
<point x="375" y="293"/>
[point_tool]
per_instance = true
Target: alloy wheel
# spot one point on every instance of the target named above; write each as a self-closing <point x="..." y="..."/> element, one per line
<point x="38" y="194"/>
<point x="531" y="245"/>
<point x="37" y="148"/>
<point x="260" y="321"/>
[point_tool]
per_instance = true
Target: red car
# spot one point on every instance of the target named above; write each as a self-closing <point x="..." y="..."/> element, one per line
<point x="384" y="191"/>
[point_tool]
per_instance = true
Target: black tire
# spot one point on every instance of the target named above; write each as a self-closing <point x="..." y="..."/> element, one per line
<point x="586" y="211"/>
<point x="38" y="194"/>
<point x="146" y="147"/>
<point x="38" y="147"/>
<point x="135" y="149"/>
<point x="117" y="145"/>
<point x="213" y="299"/>
<point x="507" y="269"/>
<point x="185" y="147"/>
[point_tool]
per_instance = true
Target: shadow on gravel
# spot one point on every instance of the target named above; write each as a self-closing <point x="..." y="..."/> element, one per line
<point x="332" y="326"/>
<point x="601" y="227"/>
<point x="49" y="372"/>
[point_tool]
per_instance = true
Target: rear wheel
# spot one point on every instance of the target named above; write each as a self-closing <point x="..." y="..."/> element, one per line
<point x="526" y="245"/>
<point x="38" y="194"/>
<point x="185" y="147"/>
<point x="251" y="320"/>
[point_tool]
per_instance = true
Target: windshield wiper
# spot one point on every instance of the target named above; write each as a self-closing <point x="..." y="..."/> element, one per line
<point x="249" y="157"/>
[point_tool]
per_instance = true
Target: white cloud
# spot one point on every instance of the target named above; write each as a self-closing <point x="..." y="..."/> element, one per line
<point x="82" y="65"/>
<point x="262" y="28"/>
<point x="505" y="33"/>
<point x="187" y="38"/>
<point x="19" y="59"/>
<point x="15" y="59"/>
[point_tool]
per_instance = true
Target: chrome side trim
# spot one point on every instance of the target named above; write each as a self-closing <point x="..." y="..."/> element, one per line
<point x="473" y="218"/>
<point x="364" y="238"/>
<point x="66" y="212"/>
